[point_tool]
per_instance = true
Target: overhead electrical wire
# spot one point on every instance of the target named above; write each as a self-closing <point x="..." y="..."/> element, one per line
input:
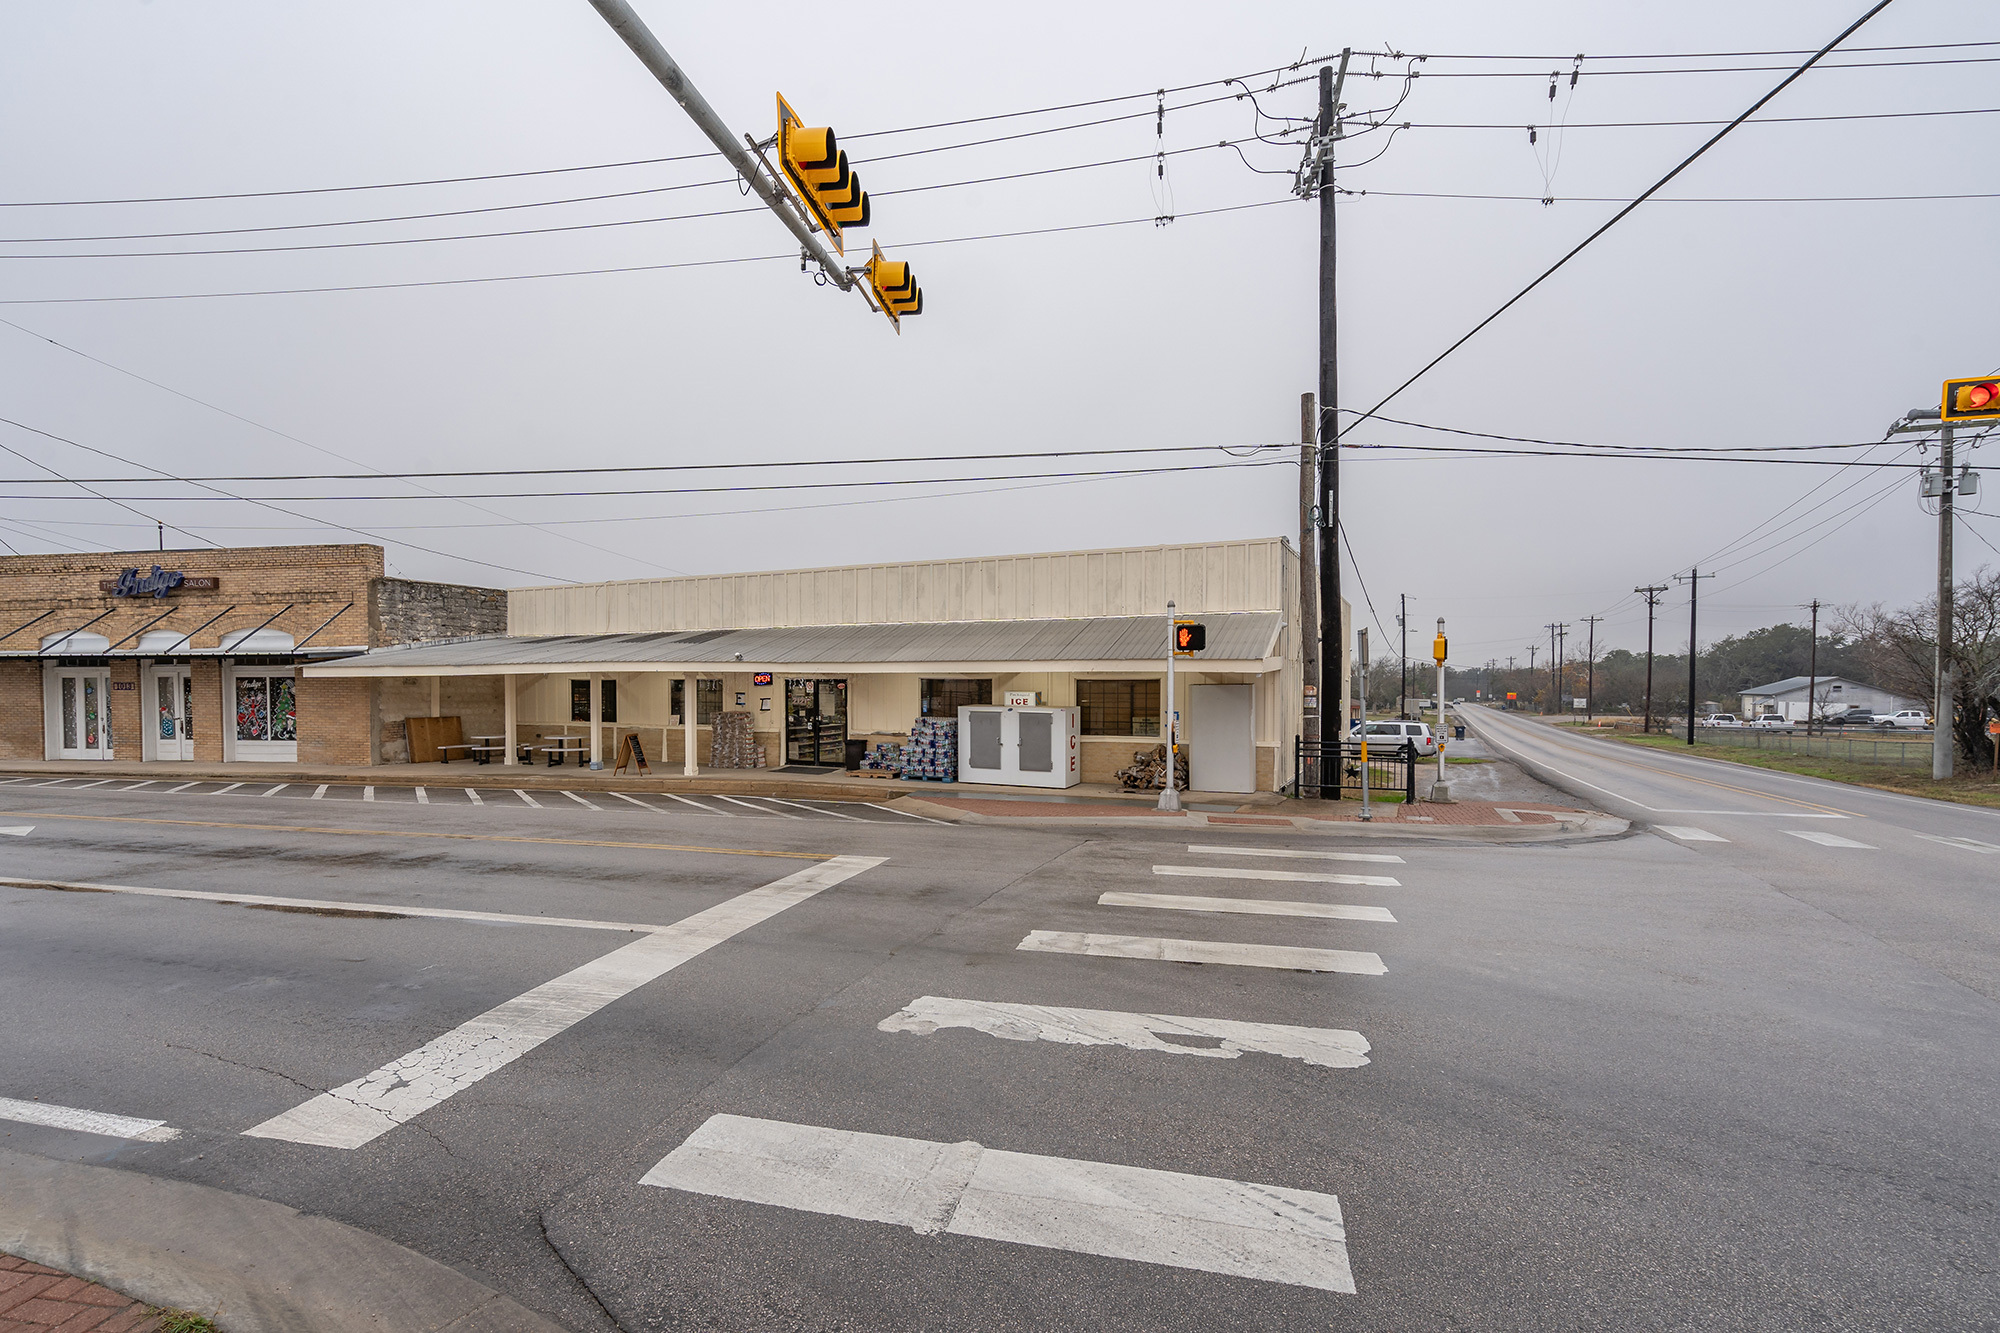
<point x="1623" y="213"/>
<point x="1691" y="55"/>
<point x="1712" y="199"/>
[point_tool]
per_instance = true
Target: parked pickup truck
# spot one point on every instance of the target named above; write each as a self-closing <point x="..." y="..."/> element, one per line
<point x="1719" y="720"/>
<point x="1910" y="719"/>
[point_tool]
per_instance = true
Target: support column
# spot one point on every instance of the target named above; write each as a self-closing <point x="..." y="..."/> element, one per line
<point x="508" y="686"/>
<point x="596" y="720"/>
<point x="690" y="759"/>
<point x="437" y="696"/>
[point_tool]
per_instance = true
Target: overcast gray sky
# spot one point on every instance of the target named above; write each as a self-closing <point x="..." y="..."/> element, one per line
<point x="1691" y="323"/>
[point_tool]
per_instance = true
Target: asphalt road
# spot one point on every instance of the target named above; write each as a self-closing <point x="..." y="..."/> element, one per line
<point x="600" y="1058"/>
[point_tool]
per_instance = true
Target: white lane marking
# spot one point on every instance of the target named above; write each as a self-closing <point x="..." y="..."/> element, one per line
<point x="8" y="782"/>
<point x="183" y="787"/>
<point x="149" y="782"/>
<point x="816" y="810"/>
<point x="474" y="795"/>
<point x="635" y="801"/>
<point x="367" y="793"/>
<point x="319" y="792"/>
<point x="1829" y="839"/>
<point x="337" y="905"/>
<point x="1203" y="951"/>
<point x="1382" y="857"/>
<point x="1254" y="906"/>
<point x="1686" y="834"/>
<point x="1331" y="1048"/>
<point x="99" y="783"/>
<point x="705" y="809"/>
<point x="1965" y="844"/>
<point x="759" y="808"/>
<point x="18" y="830"/>
<point x="1283" y="876"/>
<point x="907" y="815"/>
<point x="57" y="782"/>
<point x="423" y="797"/>
<point x="529" y="799"/>
<point x="220" y="790"/>
<point x="580" y="801"/>
<point x="357" y="1112"/>
<point x="275" y="790"/>
<point x="88" y="1122"/>
<point x="1204" y="1223"/>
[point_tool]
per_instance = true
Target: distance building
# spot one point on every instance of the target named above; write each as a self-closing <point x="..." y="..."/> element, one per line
<point x="818" y="657"/>
<point x="1831" y="695"/>
<point x="202" y="654"/>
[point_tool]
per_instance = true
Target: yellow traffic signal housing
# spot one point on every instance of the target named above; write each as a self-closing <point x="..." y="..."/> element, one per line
<point x="816" y="165"/>
<point x="1438" y="649"/>
<point x="895" y="288"/>
<point x="1972" y="400"/>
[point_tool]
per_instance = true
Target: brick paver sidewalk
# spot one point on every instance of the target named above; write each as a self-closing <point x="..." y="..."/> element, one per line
<point x="34" y="1299"/>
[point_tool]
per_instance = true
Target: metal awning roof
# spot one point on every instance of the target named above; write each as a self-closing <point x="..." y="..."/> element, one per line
<point x="1237" y="641"/>
<point x="120" y="654"/>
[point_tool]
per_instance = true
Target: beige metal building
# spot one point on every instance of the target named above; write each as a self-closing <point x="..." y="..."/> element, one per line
<point x="819" y="656"/>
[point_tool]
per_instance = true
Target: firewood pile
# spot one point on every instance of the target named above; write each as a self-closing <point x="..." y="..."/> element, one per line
<point x="1149" y="767"/>
<point x="734" y="743"/>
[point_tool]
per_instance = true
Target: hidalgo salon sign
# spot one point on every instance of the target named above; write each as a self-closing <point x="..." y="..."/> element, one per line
<point x="160" y="582"/>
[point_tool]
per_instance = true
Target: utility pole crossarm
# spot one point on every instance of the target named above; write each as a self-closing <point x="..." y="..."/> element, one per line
<point x="654" y="57"/>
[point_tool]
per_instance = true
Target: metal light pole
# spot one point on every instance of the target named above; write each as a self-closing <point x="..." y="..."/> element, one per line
<point x="1941" y="729"/>
<point x="1441" y="791"/>
<point x="1361" y="652"/>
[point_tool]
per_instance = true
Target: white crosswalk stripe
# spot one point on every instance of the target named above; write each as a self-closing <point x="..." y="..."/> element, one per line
<point x="1963" y="844"/>
<point x="1203" y="951"/>
<point x="760" y="809"/>
<point x="1332" y="1048"/>
<point x="1380" y="857"/>
<point x="1252" y="906"/>
<point x="1280" y="876"/>
<point x="580" y="801"/>
<point x="1830" y="839"/>
<point x="1686" y="834"/>
<point x="88" y="1122"/>
<point x="472" y="794"/>
<point x="1122" y="1212"/>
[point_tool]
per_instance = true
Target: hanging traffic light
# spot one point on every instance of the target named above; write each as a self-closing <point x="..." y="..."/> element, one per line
<point x="1190" y="637"/>
<point x="1971" y="400"/>
<point x="895" y="288"/>
<point x="816" y="165"/>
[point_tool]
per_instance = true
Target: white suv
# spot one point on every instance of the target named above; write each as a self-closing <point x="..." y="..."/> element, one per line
<point x="1910" y="719"/>
<point x="1395" y="734"/>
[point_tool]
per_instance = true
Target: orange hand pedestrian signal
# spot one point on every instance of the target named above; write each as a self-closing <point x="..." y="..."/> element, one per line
<point x="1190" y="637"/>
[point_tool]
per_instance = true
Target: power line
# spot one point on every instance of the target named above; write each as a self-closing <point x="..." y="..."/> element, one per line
<point x="1591" y="444"/>
<point x="1477" y="451"/>
<point x="620" y="269"/>
<point x="1694" y="55"/>
<point x="1719" y="199"/>
<point x="1517" y="126"/>
<point x="1711" y="69"/>
<point x="1622" y="213"/>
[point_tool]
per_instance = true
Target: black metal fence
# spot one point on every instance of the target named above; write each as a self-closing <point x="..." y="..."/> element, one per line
<point x="1334" y="768"/>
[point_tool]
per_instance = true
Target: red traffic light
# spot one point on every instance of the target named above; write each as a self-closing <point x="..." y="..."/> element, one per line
<point x="1971" y="399"/>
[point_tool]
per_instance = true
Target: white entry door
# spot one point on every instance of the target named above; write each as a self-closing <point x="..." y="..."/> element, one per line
<point x="82" y="713"/>
<point x="173" y="711"/>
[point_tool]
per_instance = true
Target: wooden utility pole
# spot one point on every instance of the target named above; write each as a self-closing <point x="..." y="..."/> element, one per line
<point x="1651" y="593"/>
<point x="1693" y="580"/>
<point x="1309" y="539"/>
<point x="1812" y="668"/>
<point x="1590" y="689"/>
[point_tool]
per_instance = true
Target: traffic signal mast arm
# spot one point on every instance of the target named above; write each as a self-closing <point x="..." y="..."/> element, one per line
<point x="655" y="58"/>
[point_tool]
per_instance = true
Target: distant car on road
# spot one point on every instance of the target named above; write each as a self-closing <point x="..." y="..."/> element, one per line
<point x="1400" y="733"/>
<point x="1719" y="720"/>
<point x="1772" y="722"/>
<point x="1852" y="717"/>
<point x="1910" y="719"/>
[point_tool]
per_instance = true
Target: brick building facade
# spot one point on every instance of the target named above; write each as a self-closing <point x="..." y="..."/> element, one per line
<point x="197" y="654"/>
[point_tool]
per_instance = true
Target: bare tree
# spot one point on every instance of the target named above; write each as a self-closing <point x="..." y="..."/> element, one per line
<point x="1899" y="649"/>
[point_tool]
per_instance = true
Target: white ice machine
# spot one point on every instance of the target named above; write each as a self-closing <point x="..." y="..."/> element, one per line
<point x="1018" y="747"/>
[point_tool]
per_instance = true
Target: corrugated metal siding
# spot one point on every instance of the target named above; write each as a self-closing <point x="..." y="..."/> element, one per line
<point x="1202" y="579"/>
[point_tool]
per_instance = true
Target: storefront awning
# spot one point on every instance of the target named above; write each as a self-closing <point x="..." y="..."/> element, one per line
<point x="1238" y="641"/>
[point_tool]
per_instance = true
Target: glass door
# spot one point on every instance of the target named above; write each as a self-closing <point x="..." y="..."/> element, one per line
<point x="173" y="710"/>
<point x="84" y="714"/>
<point x="815" y="721"/>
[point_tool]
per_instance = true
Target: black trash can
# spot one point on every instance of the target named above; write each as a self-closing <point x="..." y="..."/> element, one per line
<point x="1458" y="733"/>
<point x="855" y="750"/>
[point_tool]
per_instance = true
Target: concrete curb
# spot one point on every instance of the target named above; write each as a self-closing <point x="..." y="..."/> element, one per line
<point x="1590" y="825"/>
<point x="253" y="1265"/>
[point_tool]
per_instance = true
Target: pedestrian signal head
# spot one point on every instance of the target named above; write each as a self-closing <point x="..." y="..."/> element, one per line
<point x="816" y="165"/>
<point x="1190" y="637"/>
<point x="1971" y="400"/>
<point x="895" y="288"/>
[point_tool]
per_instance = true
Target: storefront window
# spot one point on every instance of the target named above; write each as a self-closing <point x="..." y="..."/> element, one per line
<point x="1119" y="707"/>
<point x="253" y="708"/>
<point x="284" y="710"/>
<point x="707" y="701"/>
<point x="69" y="712"/>
<point x="943" y="698"/>
<point x="90" y="712"/>
<point x="579" y="700"/>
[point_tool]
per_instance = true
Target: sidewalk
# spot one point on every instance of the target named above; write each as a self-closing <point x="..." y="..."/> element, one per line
<point x="1516" y="822"/>
<point x="38" y="1299"/>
